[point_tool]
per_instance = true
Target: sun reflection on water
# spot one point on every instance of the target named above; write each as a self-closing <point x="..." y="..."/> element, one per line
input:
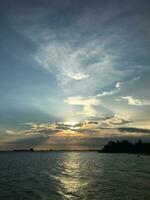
<point x="70" y="181"/>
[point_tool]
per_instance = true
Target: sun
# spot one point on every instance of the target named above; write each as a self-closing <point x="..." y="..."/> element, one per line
<point x="71" y="123"/>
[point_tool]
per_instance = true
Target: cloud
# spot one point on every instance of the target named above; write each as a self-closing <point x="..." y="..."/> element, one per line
<point x="95" y="106"/>
<point x="10" y="132"/>
<point x="103" y="127"/>
<point x="77" y="76"/>
<point x="134" y="130"/>
<point x="116" y="120"/>
<point x="111" y="92"/>
<point x="79" y="59"/>
<point x="119" y="85"/>
<point x="63" y="135"/>
<point x="87" y="103"/>
<point x="63" y="60"/>
<point x="136" y="102"/>
<point x="89" y="61"/>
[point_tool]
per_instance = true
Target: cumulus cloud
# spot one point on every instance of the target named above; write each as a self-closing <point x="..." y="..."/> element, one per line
<point x="117" y="121"/>
<point x="87" y="103"/>
<point x="114" y="121"/>
<point x="136" y="102"/>
<point x="91" y="107"/>
<point x="90" y="103"/>
<point x="63" y="135"/>
<point x="104" y="127"/>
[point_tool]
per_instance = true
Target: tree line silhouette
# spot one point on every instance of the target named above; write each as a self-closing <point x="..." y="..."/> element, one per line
<point x="126" y="147"/>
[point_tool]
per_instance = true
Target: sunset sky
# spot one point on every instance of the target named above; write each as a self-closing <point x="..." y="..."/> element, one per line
<point x="73" y="74"/>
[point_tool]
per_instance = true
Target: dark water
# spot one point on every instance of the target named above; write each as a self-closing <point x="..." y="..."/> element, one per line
<point x="74" y="175"/>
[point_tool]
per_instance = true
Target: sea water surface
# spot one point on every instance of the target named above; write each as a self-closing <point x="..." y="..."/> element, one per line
<point x="74" y="175"/>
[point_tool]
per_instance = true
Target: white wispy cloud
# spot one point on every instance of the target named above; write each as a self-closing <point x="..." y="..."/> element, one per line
<point x="136" y="102"/>
<point x="77" y="76"/>
<point x="118" y="87"/>
<point x="10" y="132"/>
<point x="87" y="62"/>
<point x="111" y="92"/>
<point x="62" y="60"/>
<point x="90" y="62"/>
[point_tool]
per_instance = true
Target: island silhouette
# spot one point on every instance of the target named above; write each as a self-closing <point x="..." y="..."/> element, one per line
<point x="125" y="146"/>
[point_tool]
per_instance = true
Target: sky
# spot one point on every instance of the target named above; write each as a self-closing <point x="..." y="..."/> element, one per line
<point x="73" y="74"/>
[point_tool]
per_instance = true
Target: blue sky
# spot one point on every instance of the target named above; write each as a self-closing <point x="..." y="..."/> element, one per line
<point x="75" y="62"/>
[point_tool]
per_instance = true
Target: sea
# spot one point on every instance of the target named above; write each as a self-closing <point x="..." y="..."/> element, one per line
<point x="74" y="176"/>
